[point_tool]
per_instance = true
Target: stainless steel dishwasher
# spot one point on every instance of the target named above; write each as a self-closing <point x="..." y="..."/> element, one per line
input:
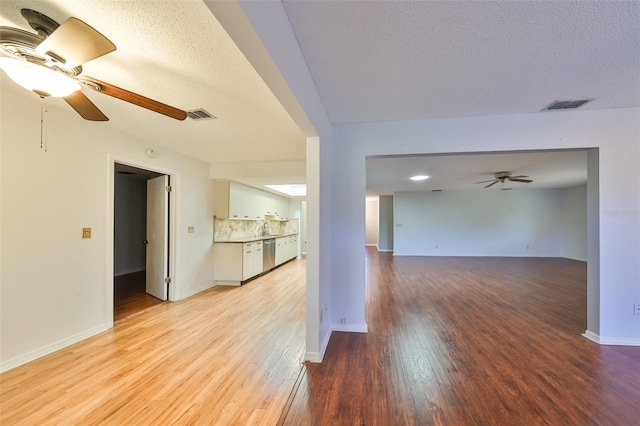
<point x="268" y="254"/>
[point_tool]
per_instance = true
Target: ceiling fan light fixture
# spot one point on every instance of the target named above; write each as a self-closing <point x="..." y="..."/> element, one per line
<point x="418" y="178"/>
<point x="39" y="79"/>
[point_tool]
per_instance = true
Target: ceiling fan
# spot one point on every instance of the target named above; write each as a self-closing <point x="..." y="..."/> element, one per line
<point x="49" y="63"/>
<point x="504" y="176"/>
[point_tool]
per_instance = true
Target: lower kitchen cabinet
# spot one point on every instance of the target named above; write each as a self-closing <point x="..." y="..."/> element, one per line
<point x="251" y="259"/>
<point x="237" y="262"/>
<point x="286" y="249"/>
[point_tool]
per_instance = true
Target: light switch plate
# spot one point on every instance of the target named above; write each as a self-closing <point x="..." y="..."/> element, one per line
<point x="86" y="232"/>
<point x="191" y="229"/>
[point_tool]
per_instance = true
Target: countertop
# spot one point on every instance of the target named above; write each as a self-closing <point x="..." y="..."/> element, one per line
<point x="251" y="239"/>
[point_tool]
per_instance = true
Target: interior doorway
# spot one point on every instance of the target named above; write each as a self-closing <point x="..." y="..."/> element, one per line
<point x="141" y="239"/>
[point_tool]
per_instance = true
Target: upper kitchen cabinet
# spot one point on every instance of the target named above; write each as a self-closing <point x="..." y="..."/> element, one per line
<point x="228" y="200"/>
<point x="237" y="201"/>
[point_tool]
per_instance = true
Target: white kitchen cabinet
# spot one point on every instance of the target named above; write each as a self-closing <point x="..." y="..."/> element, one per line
<point x="280" y="250"/>
<point x="286" y="249"/>
<point x="237" y="262"/>
<point x="228" y="200"/>
<point x="236" y="201"/>
<point x="251" y="259"/>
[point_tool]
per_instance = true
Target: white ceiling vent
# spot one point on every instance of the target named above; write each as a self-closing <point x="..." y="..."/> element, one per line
<point x="566" y="104"/>
<point x="200" y="114"/>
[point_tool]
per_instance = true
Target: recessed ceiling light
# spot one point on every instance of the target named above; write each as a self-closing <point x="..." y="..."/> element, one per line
<point x="419" y="177"/>
<point x="291" y="189"/>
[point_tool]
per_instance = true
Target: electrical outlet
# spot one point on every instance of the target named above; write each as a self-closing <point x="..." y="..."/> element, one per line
<point x="86" y="232"/>
<point x="636" y="308"/>
<point x="191" y="229"/>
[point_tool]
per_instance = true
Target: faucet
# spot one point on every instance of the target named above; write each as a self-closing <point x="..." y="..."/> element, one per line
<point x="266" y="229"/>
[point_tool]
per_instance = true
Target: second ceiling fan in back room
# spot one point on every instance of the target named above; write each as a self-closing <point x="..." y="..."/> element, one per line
<point x="49" y="63"/>
<point x="506" y="176"/>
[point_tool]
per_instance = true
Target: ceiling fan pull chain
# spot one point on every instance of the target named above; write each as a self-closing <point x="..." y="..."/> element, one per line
<point x="43" y="124"/>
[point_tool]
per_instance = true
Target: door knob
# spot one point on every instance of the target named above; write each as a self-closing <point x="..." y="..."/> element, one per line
<point x="145" y="242"/>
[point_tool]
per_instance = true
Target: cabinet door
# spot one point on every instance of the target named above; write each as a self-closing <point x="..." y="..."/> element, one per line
<point x="257" y="258"/>
<point x="280" y="254"/>
<point x="247" y="261"/>
<point x="282" y="206"/>
<point x="235" y="200"/>
<point x="293" y="247"/>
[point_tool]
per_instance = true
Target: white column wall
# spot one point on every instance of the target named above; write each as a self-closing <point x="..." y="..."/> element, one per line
<point x="574" y="229"/>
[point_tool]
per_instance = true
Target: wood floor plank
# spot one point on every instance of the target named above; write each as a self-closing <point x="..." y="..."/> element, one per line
<point x="471" y="341"/>
<point x="227" y="356"/>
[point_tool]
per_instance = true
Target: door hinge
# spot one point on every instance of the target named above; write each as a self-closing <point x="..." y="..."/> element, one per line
<point x="169" y="189"/>
<point x="167" y="280"/>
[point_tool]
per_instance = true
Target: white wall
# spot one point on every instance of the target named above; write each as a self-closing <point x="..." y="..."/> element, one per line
<point x="615" y="132"/>
<point x="130" y="214"/>
<point x="54" y="285"/>
<point x="371" y="222"/>
<point x="525" y="222"/>
<point x="385" y="234"/>
<point x="575" y="223"/>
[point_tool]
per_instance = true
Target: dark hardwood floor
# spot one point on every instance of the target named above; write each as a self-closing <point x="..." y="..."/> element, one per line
<point x="470" y="341"/>
<point x="130" y="296"/>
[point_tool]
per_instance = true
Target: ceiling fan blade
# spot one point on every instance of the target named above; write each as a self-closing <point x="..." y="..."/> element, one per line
<point x="125" y="95"/>
<point x="73" y="43"/>
<point x="518" y="177"/>
<point x="491" y="184"/>
<point x="521" y="180"/>
<point x="485" y="181"/>
<point x="83" y="106"/>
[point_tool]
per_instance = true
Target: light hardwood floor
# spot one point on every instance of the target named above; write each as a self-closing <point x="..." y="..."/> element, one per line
<point x="130" y="295"/>
<point x="227" y="356"/>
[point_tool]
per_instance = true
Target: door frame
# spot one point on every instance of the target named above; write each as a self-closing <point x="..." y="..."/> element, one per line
<point x="174" y="217"/>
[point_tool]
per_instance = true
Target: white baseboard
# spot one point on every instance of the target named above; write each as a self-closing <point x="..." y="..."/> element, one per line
<point x="611" y="341"/>
<point x="385" y="250"/>
<point x="133" y="271"/>
<point x="317" y="357"/>
<point x="200" y="289"/>
<point x="351" y="328"/>
<point x="592" y="336"/>
<point x="50" y="348"/>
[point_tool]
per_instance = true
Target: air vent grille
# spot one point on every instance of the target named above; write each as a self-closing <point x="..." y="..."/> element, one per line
<point x="200" y="114"/>
<point x="566" y="104"/>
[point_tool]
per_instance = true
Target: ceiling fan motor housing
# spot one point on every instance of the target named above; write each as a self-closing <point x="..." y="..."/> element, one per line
<point x="501" y="176"/>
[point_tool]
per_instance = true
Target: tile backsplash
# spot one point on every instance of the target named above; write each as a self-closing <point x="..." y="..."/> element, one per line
<point x="234" y="229"/>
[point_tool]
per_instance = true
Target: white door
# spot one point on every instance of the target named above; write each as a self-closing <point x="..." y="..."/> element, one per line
<point x="157" y="236"/>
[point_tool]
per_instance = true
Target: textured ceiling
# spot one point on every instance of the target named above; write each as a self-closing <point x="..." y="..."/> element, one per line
<point x="176" y="52"/>
<point x="389" y="60"/>
<point x="370" y="61"/>
<point x="396" y="60"/>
